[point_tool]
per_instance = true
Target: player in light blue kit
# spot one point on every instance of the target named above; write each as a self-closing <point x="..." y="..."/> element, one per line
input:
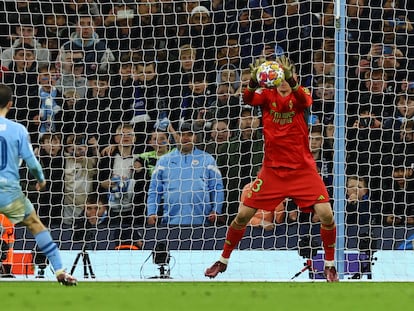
<point x="14" y="147"/>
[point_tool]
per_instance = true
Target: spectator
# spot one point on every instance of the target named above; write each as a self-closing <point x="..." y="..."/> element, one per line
<point x="122" y="90"/>
<point x="404" y="110"/>
<point x="50" y="156"/>
<point x="188" y="183"/>
<point x="72" y="68"/>
<point x="322" y="156"/>
<point x="229" y="53"/>
<point x="240" y="159"/>
<point x="324" y="99"/>
<point x="48" y="102"/>
<point x="201" y="37"/>
<point x="179" y="80"/>
<point x="227" y="104"/>
<point x="117" y="178"/>
<point x="56" y="29"/>
<point x="398" y="194"/>
<point x="97" y="56"/>
<point x="149" y="97"/>
<point x="93" y="217"/>
<point x="26" y="32"/>
<point x="220" y="134"/>
<point x="121" y="28"/>
<point x="68" y="116"/>
<point x="228" y="73"/>
<point x="198" y="106"/>
<point x="358" y="211"/>
<point x="97" y="116"/>
<point x="22" y="78"/>
<point x="80" y="175"/>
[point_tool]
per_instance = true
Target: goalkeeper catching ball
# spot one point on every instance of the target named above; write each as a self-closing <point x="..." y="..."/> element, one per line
<point x="288" y="169"/>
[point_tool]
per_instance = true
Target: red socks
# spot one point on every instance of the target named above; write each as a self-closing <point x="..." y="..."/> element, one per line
<point x="233" y="238"/>
<point x="328" y="237"/>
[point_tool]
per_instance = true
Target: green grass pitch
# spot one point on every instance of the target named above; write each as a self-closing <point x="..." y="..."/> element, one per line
<point x="211" y="296"/>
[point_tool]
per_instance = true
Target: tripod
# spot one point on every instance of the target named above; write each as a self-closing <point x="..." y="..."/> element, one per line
<point x="164" y="273"/>
<point x="87" y="265"/>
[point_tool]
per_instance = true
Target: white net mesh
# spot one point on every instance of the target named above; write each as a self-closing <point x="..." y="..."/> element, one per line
<point x="99" y="84"/>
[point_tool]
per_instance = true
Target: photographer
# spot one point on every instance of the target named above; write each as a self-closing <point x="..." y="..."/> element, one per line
<point x="6" y="246"/>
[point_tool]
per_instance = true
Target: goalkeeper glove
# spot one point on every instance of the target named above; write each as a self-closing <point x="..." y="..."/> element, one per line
<point x="288" y="69"/>
<point x="253" y="72"/>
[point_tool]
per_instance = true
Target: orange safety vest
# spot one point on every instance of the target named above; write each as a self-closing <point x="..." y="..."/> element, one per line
<point x="7" y="237"/>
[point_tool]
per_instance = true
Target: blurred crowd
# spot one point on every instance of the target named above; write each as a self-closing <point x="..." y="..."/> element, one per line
<point x="105" y="87"/>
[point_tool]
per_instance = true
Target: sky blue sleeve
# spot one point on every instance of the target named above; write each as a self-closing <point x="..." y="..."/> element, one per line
<point x="216" y="186"/>
<point x="26" y="153"/>
<point x="155" y="191"/>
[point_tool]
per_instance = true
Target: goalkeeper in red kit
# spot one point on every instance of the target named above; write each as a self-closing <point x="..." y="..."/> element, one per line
<point x="288" y="169"/>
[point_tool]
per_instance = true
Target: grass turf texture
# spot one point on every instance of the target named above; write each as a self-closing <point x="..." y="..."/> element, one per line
<point x="211" y="296"/>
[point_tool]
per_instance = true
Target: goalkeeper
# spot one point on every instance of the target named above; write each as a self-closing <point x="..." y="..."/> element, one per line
<point x="15" y="147"/>
<point x="288" y="170"/>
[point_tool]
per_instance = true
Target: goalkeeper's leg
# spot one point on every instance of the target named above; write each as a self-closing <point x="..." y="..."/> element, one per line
<point x="328" y="237"/>
<point x="234" y="234"/>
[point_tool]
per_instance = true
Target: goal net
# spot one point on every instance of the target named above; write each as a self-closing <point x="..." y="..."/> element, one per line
<point x="105" y="87"/>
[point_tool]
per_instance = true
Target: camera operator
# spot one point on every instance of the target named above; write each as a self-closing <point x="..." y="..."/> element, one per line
<point x="6" y="246"/>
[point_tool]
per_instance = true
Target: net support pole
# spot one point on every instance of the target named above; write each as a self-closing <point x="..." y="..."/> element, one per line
<point x="339" y="142"/>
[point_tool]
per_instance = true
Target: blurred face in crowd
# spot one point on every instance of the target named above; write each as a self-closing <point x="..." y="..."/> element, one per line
<point x="198" y="86"/>
<point x="159" y="142"/>
<point x="145" y="72"/>
<point x="356" y="189"/>
<point x="355" y="7"/>
<point x="187" y="142"/>
<point x="93" y="211"/>
<point x="220" y="132"/>
<point x="26" y="33"/>
<point x="407" y="131"/>
<point x="85" y="27"/>
<point x="24" y="59"/>
<point x="51" y="144"/>
<point x="73" y="63"/>
<point x="224" y="91"/>
<point x="125" y="136"/>
<point x="406" y="106"/>
<point x="401" y="174"/>
<point x="376" y="81"/>
<point x="187" y="58"/>
<point x="248" y="124"/>
<point x="316" y="140"/>
<point x="125" y="71"/>
<point x="99" y="87"/>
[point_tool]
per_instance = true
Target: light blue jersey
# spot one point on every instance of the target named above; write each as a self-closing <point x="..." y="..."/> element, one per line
<point x="14" y="147"/>
<point x="189" y="186"/>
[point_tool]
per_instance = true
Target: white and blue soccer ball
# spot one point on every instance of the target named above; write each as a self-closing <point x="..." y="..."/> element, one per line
<point x="270" y="74"/>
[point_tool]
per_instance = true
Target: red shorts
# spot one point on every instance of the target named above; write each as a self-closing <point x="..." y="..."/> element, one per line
<point x="272" y="185"/>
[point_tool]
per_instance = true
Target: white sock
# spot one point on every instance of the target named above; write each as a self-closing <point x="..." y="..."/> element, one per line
<point x="224" y="260"/>
<point x="329" y="263"/>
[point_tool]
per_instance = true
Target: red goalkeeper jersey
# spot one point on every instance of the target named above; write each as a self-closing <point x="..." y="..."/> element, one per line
<point x="284" y="126"/>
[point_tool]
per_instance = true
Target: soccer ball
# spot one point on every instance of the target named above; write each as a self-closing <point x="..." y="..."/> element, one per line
<point x="270" y="74"/>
